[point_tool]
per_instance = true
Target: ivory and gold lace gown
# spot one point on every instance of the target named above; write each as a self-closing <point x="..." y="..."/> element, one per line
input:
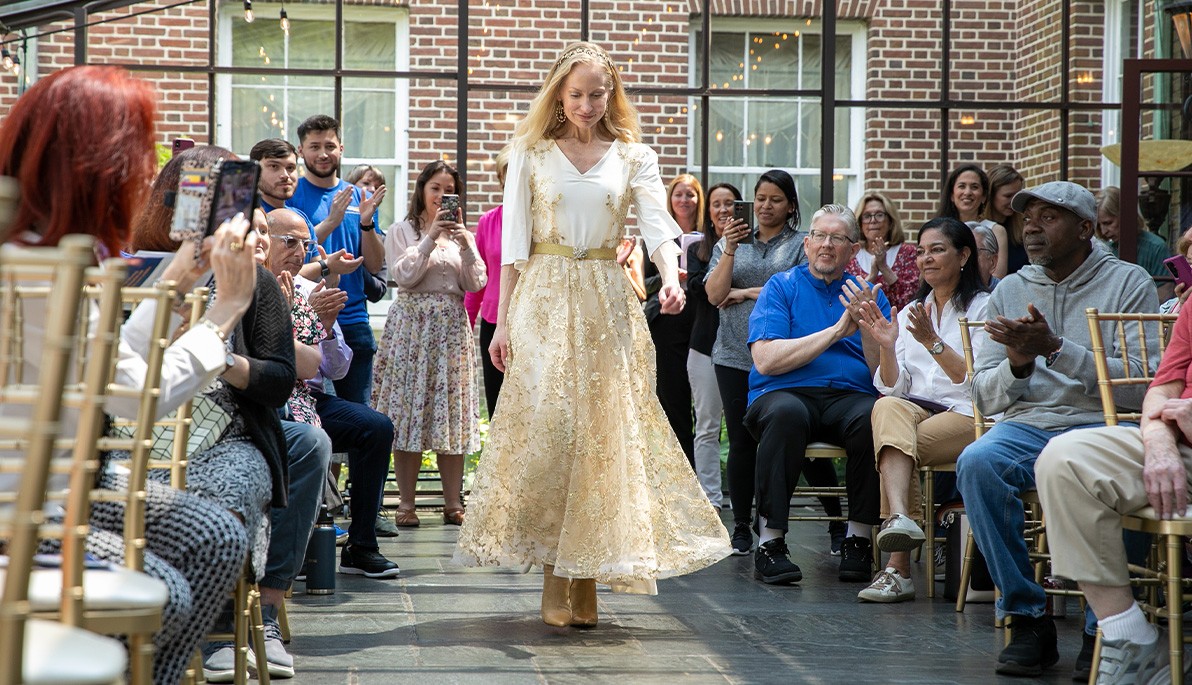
<point x="581" y="469"/>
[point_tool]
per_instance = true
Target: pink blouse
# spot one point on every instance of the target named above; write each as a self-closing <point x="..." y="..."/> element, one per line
<point x="488" y="244"/>
<point x="421" y="265"/>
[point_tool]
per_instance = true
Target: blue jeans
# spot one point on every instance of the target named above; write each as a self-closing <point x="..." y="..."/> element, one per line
<point x="991" y="474"/>
<point x="356" y="385"/>
<point x="367" y="436"/>
<point x="308" y="450"/>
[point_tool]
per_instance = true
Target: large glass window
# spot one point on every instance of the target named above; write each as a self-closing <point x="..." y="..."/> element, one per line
<point x="748" y="135"/>
<point x="272" y="101"/>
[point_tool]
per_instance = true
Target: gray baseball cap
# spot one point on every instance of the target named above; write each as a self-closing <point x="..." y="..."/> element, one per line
<point x="1072" y="197"/>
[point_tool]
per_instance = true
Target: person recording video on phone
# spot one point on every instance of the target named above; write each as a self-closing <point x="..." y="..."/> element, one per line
<point x="344" y="220"/>
<point x="424" y="377"/>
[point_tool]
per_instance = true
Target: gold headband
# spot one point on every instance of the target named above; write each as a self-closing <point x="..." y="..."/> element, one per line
<point x="586" y="52"/>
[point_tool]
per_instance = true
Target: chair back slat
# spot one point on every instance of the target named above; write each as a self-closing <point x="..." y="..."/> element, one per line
<point x="980" y="423"/>
<point x="63" y="269"/>
<point x="1149" y="327"/>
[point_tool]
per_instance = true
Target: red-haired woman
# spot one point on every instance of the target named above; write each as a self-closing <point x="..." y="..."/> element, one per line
<point x="81" y="144"/>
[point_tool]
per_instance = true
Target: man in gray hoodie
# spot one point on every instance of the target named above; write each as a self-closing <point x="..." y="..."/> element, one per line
<point x="1038" y="369"/>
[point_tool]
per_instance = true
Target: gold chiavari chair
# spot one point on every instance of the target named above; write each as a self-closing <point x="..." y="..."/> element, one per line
<point x="34" y="650"/>
<point x="1165" y="564"/>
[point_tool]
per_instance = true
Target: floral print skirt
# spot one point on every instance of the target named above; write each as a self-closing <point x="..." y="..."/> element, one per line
<point x="424" y="376"/>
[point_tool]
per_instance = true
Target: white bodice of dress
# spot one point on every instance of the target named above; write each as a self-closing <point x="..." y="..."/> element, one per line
<point x="547" y="200"/>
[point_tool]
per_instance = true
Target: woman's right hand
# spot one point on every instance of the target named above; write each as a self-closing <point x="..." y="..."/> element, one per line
<point x="883" y="330"/>
<point x="498" y="349"/>
<point x="443" y="224"/>
<point x="736" y="231"/>
<point x="233" y="264"/>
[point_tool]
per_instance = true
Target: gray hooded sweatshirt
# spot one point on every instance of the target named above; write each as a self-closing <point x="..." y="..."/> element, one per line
<point x="1065" y="394"/>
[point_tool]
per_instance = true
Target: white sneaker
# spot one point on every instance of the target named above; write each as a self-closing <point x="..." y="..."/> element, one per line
<point x="900" y="534"/>
<point x="1129" y="663"/>
<point x="888" y="587"/>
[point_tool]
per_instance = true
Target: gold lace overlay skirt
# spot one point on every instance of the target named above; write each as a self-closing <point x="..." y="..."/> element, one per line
<point x="581" y="469"/>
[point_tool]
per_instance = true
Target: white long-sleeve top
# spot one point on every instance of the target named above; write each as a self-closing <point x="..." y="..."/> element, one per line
<point x="919" y="374"/>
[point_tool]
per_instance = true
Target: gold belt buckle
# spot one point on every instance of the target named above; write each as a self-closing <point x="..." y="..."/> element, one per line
<point x="580" y="252"/>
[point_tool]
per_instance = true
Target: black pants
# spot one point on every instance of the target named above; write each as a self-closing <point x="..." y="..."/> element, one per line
<point x="742" y="450"/>
<point x="367" y="436"/>
<point x="674" y="393"/>
<point x="785" y="421"/>
<point x="492" y="377"/>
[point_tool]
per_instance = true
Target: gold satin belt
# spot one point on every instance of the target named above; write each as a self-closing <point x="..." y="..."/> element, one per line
<point x="573" y="252"/>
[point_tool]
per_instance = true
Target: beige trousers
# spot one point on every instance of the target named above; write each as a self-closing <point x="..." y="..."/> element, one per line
<point x="931" y="440"/>
<point x="1087" y="479"/>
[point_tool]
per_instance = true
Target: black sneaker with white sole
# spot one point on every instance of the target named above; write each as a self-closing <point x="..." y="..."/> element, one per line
<point x="369" y="563"/>
<point x="742" y="539"/>
<point x="1032" y="647"/>
<point x="772" y="564"/>
<point x="856" y="560"/>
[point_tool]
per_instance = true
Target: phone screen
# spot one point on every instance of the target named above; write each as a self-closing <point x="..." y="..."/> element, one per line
<point x="450" y="204"/>
<point x="236" y="192"/>
<point x="743" y="210"/>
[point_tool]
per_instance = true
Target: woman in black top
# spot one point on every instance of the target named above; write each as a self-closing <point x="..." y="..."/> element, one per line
<point x="709" y="409"/>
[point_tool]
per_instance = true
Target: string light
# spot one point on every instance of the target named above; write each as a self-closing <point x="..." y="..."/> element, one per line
<point x="6" y="59"/>
<point x="285" y="21"/>
<point x="248" y="16"/>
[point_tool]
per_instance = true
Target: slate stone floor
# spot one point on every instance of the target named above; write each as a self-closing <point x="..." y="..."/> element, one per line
<point x="438" y="624"/>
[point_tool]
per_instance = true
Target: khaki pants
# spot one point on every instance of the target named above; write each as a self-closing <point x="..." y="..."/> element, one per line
<point x="1087" y="479"/>
<point x="931" y="440"/>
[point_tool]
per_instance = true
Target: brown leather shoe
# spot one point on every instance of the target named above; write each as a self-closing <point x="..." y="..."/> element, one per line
<point x="406" y="518"/>
<point x="453" y="517"/>
<point x="556" y="607"/>
<point x="583" y="602"/>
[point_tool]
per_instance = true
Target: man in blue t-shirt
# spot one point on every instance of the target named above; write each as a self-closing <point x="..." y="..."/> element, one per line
<point x="343" y="220"/>
<point x="812" y="380"/>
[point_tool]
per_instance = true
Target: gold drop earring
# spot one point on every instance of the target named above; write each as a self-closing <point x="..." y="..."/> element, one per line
<point x="560" y="116"/>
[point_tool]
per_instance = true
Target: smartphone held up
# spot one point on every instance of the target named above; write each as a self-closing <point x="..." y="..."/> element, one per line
<point x="209" y="196"/>
<point x="743" y="211"/>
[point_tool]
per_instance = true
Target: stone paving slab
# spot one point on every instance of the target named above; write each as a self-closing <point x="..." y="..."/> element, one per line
<point x="438" y="624"/>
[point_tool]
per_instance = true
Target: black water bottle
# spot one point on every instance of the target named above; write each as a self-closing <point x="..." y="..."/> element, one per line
<point x="320" y="556"/>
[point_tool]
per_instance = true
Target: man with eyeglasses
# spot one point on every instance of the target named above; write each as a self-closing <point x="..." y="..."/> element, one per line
<point x="812" y="381"/>
<point x="365" y="434"/>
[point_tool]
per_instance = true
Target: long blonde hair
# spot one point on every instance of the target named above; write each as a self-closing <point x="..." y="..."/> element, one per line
<point x="619" y="121"/>
<point x="699" y="197"/>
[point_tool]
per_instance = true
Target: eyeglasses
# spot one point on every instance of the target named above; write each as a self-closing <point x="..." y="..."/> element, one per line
<point x="289" y="242"/>
<point x="837" y="239"/>
<point x="873" y="216"/>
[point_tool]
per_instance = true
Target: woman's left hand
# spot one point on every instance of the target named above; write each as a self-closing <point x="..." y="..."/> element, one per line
<point x="461" y="235"/>
<point x="671" y="298"/>
<point x="286" y="281"/>
<point x="920" y="326"/>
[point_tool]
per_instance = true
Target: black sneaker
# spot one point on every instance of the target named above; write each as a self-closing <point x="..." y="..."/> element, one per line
<point x="856" y="560"/>
<point x="1084" y="660"/>
<point x="1032" y="647"/>
<point x="742" y="539"/>
<point x="836" y="530"/>
<point x="772" y="564"/>
<point x="366" y="562"/>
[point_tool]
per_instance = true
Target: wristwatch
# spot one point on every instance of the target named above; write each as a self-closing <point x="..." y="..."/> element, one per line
<point x="324" y="270"/>
<point x="229" y="361"/>
<point x="1054" y="355"/>
<point x="367" y="227"/>
<point x="937" y="348"/>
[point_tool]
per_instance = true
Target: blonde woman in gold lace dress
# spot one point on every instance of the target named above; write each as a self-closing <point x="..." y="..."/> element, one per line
<point x="581" y="473"/>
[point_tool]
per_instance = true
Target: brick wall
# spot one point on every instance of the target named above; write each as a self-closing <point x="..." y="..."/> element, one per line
<point x="1001" y="50"/>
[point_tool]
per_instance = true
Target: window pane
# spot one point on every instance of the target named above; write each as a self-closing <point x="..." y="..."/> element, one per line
<point x="260" y="45"/>
<point x="726" y="132"/>
<point x="369" y="44"/>
<point x="725" y="67"/>
<point x="810" y="70"/>
<point x="259" y="113"/>
<point x="369" y="121"/>
<point x="775" y="63"/>
<point x="809" y="134"/>
<point x="773" y="133"/>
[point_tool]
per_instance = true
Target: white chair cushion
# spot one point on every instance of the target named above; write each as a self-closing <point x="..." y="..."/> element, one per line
<point x="57" y="654"/>
<point x="118" y="588"/>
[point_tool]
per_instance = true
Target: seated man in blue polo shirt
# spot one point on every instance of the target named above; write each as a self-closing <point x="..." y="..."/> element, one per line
<point x="812" y="380"/>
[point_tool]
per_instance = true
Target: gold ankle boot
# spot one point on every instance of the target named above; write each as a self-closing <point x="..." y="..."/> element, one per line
<point x="583" y="603"/>
<point x="556" y="606"/>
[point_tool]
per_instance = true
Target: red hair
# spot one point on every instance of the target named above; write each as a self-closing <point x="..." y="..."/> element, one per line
<point x="80" y="143"/>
